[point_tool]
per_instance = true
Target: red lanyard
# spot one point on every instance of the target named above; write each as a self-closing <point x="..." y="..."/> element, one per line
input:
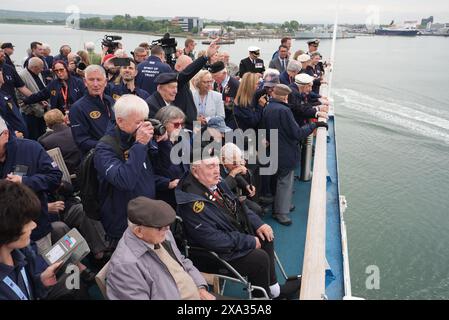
<point x="65" y="96"/>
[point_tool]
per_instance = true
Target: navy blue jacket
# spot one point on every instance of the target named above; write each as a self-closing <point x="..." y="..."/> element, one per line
<point x="184" y="98"/>
<point x="42" y="175"/>
<point x="12" y="115"/>
<point x="155" y="102"/>
<point x="89" y="118"/>
<point x="284" y="78"/>
<point x="277" y="115"/>
<point x="300" y="106"/>
<point x="211" y="227"/>
<point x="148" y="70"/>
<point x="12" y="81"/>
<point x="53" y="91"/>
<point x="126" y="180"/>
<point x="25" y="258"/>
<point x="245" y="117"/>
<point x="117" y="90"/>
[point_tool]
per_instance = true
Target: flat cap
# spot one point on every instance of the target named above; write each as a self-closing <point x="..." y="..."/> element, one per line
<point x="281" y="90"/>
<point x="165" y="78"/>
<point x="303" y="79"/>
<point x="313" y="41"/>
<point x="216" y="67"/>
<point x="147" y="212"/>
<point x="304" y="57"/>
<point x="7" y="45"/>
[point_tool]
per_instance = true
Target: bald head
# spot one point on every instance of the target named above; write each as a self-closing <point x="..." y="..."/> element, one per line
<point x="36" y="65"/>
<point x="182" y="63"/>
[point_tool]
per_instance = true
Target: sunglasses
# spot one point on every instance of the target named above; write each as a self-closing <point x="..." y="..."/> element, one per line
<point x="59" y="70"/>
<point x="178" y="124"/>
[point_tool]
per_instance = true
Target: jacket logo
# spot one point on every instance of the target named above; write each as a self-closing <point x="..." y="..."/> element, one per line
<point x="198" y="206"/>
<point x="126" y="155"/>
<point x="53" y="93"/>
<point x="10" y="105"/>
<point x="115" y="96"/>
<point x="95" y="114"/>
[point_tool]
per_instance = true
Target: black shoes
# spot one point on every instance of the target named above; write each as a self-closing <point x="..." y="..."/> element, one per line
<point x="282" y="218"/>
<point x="290" y="290"/>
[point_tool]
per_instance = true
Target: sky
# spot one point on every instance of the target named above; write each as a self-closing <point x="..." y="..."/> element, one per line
<point x="313" y="11"/>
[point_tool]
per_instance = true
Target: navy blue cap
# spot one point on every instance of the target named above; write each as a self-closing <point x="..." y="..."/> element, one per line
<point x="216" y="67"/>
<point x="165" y="78"/>
<point x="7" y="45"/>
<point x="219" y="124"/>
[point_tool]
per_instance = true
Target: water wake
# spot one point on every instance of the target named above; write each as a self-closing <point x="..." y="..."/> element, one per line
<point x="420" y="119"/>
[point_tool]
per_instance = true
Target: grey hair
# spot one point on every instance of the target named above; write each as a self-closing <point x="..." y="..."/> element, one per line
<point x="46" y="46"/>
<point x="294" y="66"/>
<point x="93" y="68"/>
<point x="228" y="151"/>
<point x="130" y="104"/>
<point x="34" y="62"/>
<point x="3" y="125"/>
<point x="140" y="50"/>
<point x="168" y="113"/>
<point x="314" y="54"/>
<point x="199" y="77"/>
<point x="271" y="71"/>
<point x="131" y="225"/>
<point x="89" y="46"/>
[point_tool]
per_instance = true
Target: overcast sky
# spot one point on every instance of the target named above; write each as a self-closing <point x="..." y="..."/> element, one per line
<point x="313" y="11"/>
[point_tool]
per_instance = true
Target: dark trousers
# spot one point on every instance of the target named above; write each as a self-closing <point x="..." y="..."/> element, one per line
<point x="36" y="126"/>
<point x="258" y="266"/>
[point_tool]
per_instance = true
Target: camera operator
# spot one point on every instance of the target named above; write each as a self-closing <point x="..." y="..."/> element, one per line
<point x="127" y="85"/>
<point x="110" y="45"/>
<point x="76" y="65"/>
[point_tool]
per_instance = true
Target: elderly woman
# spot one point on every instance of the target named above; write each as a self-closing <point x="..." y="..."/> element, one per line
<point x="208" y="103"/>
<point x="173" y="119"/>
<point x="19" y="206"/>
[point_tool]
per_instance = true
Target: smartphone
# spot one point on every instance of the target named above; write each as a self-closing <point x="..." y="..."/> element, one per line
<point x="121" y="62"/>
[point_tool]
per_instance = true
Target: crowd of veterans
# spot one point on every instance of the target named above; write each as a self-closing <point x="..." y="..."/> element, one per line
<point x="82" y="102"/>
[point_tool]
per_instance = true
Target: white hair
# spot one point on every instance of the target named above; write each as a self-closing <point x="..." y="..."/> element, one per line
<point x="93" y="68"/>
<point x="294" y="66"/>
<point x="46" y="46"/>
<point x="35" y="62"/>
<point x="271" y="71"/>
<point x="228" y="151"/>
<point x="130" y="104"/>
<point x="3" y="125"/>
<point x="89" y="46"/>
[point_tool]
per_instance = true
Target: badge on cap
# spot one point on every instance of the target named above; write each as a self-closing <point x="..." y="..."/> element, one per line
<point x="198" y="206"/>
<point x="95" y="114"/>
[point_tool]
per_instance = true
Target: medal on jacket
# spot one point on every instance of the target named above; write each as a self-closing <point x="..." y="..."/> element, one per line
<point x="198" y="206"/>
<point x="95" y="114"/>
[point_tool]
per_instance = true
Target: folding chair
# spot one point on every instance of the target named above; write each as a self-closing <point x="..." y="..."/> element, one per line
<point x="56" y="155"/>
<point x="100" y="279"/>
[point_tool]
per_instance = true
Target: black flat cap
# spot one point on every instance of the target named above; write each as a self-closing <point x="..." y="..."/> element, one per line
<point x="216" y="67"/>
<point x="147" y="212"/>
<point x="165" y="78"/>
<point x="7" y="45"/>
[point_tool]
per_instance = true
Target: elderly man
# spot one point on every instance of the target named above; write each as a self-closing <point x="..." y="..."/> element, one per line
<point x="46" y="53"/>
<point x="25" y="161"/>
<point x="288" y="76"/>
<point x="91" y="115"/>
<point x="33" y="113"/>
<point x="214" y="219"/>
<point x="224" y="84"/>
<point x="124" y="168"/>
<point x="64" y="51"/>
<point x="147" y="264"/>
<point x="127" y="85"/>
<point x="148" y="70"/>
<point x="278" y="116"/>
<point x="167" y="88"/>
<point x="94" y="57"/>
<point x="232" y="68"/>
<point x="140" y="54"/>
<point x="253" y="63"/>
<point x="281" y="61"/>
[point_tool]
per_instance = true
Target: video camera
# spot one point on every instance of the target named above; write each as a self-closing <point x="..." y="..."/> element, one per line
<point x="80" y="65"/>
<point x="111" y="43"/>
<point x="169" y="46"/>
<point x="159" y="128"/>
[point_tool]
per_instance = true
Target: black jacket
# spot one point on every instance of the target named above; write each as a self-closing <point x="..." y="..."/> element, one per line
<point x="247" y="66"/>
<point x="155" y="102"/>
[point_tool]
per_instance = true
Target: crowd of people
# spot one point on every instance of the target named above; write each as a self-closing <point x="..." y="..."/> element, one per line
<point x="130" y="122"/>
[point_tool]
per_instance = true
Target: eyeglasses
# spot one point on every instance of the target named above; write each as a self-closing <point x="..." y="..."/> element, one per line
<point x="177" y="124"/>
<point x="59" y="70"/>
<point x="207" y="82"/>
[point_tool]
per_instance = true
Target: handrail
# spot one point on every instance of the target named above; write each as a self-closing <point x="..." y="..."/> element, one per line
<point x="314" y="265"/>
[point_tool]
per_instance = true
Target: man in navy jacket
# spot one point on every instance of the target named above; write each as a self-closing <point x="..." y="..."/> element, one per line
<point x="91" y="115"/>
<point x="148" y="70"/>
<point x="278" y="116"/>
<point x="25" y="161"/>
<point x="126" y="173"/>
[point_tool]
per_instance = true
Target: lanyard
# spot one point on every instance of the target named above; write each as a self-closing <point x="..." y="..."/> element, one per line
<point x="14" y="287"/>
<point x="65" y="96"/>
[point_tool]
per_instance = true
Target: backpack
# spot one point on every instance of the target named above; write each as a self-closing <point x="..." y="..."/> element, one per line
<point x="89" y="184"/>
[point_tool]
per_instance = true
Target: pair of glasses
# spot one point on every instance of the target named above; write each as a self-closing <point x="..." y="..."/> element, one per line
<point x="178" y="124"/>
<point x="59" y="70"/>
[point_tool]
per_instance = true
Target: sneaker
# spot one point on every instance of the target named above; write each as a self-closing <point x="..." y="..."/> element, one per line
<point x="282" y="218"/>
